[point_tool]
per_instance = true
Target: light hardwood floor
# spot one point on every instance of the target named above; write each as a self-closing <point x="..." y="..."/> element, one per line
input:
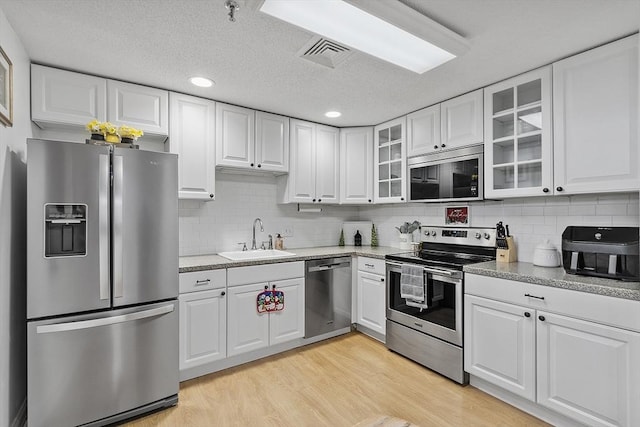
<point x="337" y="382"/>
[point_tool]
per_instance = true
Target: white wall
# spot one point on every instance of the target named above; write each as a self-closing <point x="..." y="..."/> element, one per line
<point x="531" y="220"/>
<point x="211" y="227"/>
<point x="13" y="179"/>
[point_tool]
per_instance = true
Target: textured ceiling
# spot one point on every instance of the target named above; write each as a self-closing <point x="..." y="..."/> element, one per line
<point x="254" y="60"/>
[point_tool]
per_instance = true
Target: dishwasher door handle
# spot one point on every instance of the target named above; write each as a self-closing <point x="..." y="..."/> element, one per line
<point x="328" y="267"/>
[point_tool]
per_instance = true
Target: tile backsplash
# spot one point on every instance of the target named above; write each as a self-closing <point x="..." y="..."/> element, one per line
<point x="217" y="226"/>
<point x="211" y="227"/>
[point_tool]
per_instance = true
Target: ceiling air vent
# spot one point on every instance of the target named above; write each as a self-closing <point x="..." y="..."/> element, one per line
<point x="324" y="52"/>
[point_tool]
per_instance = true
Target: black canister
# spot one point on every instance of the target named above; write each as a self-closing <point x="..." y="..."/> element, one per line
<point x="357" y="239"/>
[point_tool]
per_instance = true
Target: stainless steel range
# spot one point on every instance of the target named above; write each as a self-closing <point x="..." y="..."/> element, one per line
<point x="425" y="292"/>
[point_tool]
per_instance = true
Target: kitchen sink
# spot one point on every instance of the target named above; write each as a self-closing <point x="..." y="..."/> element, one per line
<point x="256" y="254"/>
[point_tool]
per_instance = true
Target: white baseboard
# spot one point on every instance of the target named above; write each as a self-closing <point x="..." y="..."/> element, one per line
<point x="20" y="419"/>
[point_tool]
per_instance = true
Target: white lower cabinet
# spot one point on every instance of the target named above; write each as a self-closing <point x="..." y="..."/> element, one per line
<point x="500" y="344"/>
<point x="203" y="327"/>
<point x="249" y="330"/>
<point x="371" y="311"/>
<point x="588" y="371"/>
<point x="571" y="352"/>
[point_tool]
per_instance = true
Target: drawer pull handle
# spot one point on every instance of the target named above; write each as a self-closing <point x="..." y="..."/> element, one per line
<point x="202" y="282"/>
<point x="533" y="296"/>
<point x="369" y="265"/>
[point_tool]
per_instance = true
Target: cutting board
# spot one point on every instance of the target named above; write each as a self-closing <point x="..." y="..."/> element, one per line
<point x="350" y="228"/>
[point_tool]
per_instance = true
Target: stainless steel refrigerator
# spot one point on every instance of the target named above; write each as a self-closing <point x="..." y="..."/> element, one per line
<point x="102" y="282"/>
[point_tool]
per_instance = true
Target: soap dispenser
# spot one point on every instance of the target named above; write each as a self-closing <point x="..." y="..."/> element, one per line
<point x="357" y="239"/>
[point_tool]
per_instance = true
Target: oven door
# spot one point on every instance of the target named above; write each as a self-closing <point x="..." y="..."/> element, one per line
<point x="443" y="316"/>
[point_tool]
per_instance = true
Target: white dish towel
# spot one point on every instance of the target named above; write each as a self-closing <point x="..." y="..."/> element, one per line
<point x="412" y="283"/>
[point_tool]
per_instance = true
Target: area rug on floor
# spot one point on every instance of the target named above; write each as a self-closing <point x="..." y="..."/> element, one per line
<point x="384" y="421"/>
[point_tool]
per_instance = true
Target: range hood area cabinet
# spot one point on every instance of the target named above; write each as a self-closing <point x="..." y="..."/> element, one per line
<point x="68" y="100"/>
<point x="595" y="112"/>
<point x="192" y="138"/>
<point x="314" y="165"/>
<point x="455" y="123"/>
<point x="251" y="140"/>
<point x="356" y="165"/>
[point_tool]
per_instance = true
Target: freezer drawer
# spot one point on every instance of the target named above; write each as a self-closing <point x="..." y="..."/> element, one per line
<point x="90" y="367"/>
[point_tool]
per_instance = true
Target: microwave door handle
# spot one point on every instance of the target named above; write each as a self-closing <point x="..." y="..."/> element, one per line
<point x="103" y="224"/>
<point x="118" y="181"/>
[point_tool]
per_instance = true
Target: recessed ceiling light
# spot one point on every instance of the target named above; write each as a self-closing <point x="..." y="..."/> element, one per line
<point x="333" y="114"/>
<point x="388" y="30"/>
<point x="201" y="81"/>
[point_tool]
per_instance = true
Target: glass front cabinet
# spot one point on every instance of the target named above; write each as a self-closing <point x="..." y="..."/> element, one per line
<point x="390" y="162"/>
<point x="518" y="150"/>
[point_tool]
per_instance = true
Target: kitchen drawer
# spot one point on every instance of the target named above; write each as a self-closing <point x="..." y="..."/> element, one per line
<point x="617" y="312"/>
<point x="265" y="273"/>
<point x="371" y="265"/>
<point x="202" y="280"/>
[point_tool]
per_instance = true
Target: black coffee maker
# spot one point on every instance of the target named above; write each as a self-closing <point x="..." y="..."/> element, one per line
<point x="610" y="252"/>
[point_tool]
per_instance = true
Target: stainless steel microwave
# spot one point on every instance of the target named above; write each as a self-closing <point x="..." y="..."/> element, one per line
<point x="454" y="175"/>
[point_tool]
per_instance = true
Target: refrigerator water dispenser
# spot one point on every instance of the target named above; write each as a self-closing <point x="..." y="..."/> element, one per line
<point x="65" y="228"/>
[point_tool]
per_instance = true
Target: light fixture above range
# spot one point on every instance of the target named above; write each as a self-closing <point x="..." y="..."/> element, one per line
<point x="388" y="30"/>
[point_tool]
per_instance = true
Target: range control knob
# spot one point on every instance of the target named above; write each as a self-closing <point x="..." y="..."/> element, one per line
<point x="478" y="235"/>
<point x="426" y="233"/>
<point x="433" y="233"/>
<point x="487" y="236"/>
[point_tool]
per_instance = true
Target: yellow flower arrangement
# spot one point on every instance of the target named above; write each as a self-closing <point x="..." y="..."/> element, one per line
<point x="129" y="132"/>
<point x="110" y="132"/>
<point x="95" y="126"/>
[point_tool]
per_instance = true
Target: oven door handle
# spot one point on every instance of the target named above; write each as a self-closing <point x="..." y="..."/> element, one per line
<point x="436" y="271"/>
<point x="427" y="269"/>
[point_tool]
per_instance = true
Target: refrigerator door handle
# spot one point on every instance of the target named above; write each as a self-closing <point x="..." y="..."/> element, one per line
<point x="103" y="224"/>
<point x="118" y="197"/>
<point x="104" y="321"/>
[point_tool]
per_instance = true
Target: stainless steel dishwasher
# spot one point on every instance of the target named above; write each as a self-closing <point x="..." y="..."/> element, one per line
<point x="327" y="295"/>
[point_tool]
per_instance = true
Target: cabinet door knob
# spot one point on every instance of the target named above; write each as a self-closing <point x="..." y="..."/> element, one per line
<point x="314" y="200"/>
<point x="559" y="188"/>
<point x="541" y="318"/>
<point x="211" y="196"/>
<point x="223" y="293"/>
<point x="319" y="200"/>
<point x="443" y="145"/>
<point x="266" y="287"/>
<point x="259" y="165"/>
<point x="527" y="314"/>
<point x="545" y="190"/>
<point x="382" y="279"/>
<point x="435" y="147"/>
<point x="251" y="164"/>
<point x="401" y="198"/>
<point x="369" y="200"/>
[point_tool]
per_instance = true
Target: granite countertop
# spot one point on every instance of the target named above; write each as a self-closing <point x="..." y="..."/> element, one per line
<point x="213" y="262"/>
<point x="557" y="278"/>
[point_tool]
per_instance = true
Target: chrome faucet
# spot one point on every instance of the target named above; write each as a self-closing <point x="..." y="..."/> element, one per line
<point x="253" y="241"/>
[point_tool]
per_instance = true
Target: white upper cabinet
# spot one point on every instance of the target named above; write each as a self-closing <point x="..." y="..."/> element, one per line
<point x="518" y="149"/>
<point x="65" y="99"/>
<point x="356" y="165"/>
<point x="595" y="101"/>
<point x="141" y="107"/>
<point x="235" y="135"/>
<point x="62" y="98"/>
<point x="193" y="123"/>
<point x="461" y="121"/>
<point x="315" y="162"/>
<point x="423" y="131"/>
<point x="390" y="162"/>
<point x="455" y="123"/>
<point x="272" y="142"/>
<point x="248" y="139"/>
